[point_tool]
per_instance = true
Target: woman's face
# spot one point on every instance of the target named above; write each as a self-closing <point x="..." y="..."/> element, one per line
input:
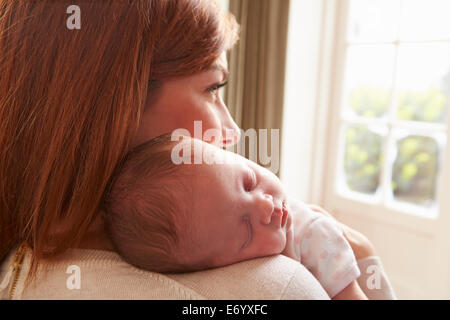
<point x="183" y="100"/>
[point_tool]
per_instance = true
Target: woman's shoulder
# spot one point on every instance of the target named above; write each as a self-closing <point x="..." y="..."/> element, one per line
<point x="90" y="274"/>
<point x="269" y="278"/>
<point x="98" y="274"/>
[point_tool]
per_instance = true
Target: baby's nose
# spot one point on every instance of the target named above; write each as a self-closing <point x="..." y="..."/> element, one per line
<point x="266" y="208"/>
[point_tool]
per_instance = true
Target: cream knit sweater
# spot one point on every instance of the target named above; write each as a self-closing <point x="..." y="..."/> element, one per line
<point x="104" y="275"/>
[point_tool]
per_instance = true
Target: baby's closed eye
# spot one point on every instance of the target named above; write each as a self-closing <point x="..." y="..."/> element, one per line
<point x="250" y="181"/>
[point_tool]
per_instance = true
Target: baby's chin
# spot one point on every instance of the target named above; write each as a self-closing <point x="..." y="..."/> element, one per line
<point x="277" y="242"/>
<point x="283" y="242"/>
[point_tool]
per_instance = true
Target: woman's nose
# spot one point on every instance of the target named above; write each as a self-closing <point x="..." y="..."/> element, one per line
<point x="265" y="208"/>
<point x="230" y="130"/>
<point x="231" y="136"/>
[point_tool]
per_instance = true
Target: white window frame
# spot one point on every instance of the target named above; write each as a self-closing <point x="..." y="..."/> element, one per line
<point x="334" y="33"/>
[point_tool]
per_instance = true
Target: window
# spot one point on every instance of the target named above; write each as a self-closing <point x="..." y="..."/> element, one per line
<point x="394" y="104"/>
<point x="381" y="156"/>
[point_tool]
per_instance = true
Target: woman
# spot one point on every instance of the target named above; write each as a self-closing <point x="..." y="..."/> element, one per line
<point x="72" y="104"/>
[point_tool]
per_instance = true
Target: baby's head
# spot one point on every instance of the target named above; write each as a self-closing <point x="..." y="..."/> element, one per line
<point x="177" y="218"/>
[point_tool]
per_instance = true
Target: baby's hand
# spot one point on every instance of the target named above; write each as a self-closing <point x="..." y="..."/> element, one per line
<point x="297" y="209"/>
<point x="352" y="292"/>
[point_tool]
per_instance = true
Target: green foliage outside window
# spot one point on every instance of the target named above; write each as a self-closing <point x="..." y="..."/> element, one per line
<point x="415" y="170"/>
<point x="416" y="164"/>
<point x="428" y="106"/>
<point x="370" y="102"/>
<point x="362" y="159"/>
<point x="373" y="102"/>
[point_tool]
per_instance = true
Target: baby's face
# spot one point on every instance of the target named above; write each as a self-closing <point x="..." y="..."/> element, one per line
<point x="238" y="210"/>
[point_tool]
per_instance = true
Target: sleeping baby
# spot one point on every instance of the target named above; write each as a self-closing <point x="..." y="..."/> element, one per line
<point x="171" y="218"/>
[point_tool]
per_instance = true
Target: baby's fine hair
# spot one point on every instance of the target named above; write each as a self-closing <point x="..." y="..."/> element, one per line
<point x="145" y="205"/>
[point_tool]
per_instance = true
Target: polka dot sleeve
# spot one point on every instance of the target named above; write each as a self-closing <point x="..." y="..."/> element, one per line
<point x="327" y="254"/>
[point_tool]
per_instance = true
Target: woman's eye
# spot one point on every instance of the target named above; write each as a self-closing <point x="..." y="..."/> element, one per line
<point x="213" y="90"/>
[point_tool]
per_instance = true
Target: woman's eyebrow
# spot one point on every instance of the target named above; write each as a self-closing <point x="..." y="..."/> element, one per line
<point x="225" y="72"/>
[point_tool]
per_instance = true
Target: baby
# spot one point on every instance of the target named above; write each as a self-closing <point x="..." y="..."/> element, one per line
<point x="165" y="217"/>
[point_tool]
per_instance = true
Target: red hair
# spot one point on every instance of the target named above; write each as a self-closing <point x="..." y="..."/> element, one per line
<point x="71" y="102"/>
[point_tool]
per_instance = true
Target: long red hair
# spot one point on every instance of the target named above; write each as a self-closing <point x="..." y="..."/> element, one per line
<point x="71" y="102"/>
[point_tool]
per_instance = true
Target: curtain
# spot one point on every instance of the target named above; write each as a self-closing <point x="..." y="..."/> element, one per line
<point x="257" y="64"/>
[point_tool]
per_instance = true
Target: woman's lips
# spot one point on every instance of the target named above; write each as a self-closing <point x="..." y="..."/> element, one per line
<point x="227" y="142"/>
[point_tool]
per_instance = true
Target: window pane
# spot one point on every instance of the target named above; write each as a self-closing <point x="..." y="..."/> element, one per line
<point x="369" y="79"/>
<point x="362" y="159"/>
<point x="425" y="20"/>
<point x="373" y="20"/>
<point x="424" y="82"/>
<point x="415" y="170"/>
